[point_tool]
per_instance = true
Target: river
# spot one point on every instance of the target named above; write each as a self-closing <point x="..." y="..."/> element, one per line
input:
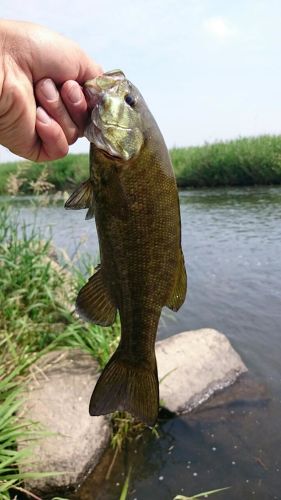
<point x="232" y="245"/>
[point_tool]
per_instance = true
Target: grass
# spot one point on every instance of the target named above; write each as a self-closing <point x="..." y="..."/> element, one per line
<point x="12" y="430"/>
<point x="241" y="162"/>
<point x="63" y="174"/>
<point x="37" y="295"/>
<point x="200" y="495"/>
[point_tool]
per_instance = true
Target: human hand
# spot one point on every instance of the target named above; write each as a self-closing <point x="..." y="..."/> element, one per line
<point x="42" y="106"/>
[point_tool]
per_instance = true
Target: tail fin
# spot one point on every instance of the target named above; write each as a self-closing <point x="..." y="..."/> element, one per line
<point x="126" y="386"/>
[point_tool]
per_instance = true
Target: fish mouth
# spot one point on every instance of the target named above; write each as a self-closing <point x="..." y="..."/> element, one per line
<point x="93" y="131"/>
<point x="93" y="97"/>
<point x="94" y="134"/>
<point x="95" y="91"/>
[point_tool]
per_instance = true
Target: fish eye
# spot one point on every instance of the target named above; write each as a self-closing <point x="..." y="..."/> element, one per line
<point x="130" y="100"/>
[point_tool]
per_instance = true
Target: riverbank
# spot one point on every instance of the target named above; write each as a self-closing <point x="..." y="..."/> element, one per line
<point x="231" y="242"/>
<point x="241" y="162"/>
<point x="38" y="290"/>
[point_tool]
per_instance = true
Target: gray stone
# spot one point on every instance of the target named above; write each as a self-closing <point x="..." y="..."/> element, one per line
<point x="58" y="398"/>
<point x="193" y="365"/>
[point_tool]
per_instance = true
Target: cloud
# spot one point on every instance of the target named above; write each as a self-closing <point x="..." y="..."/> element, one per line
<point x="219" y="27"/>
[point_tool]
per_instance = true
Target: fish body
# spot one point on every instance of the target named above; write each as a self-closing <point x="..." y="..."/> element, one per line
<point x="132" y="193"/>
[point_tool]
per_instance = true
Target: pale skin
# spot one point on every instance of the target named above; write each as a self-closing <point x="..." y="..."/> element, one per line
<point x="42" y="106"/>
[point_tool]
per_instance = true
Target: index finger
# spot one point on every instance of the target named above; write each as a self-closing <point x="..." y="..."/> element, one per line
<point x="75" y="103"/>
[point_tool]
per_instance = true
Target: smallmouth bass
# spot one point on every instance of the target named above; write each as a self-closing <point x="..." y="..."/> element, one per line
<point x="133" y="196"/>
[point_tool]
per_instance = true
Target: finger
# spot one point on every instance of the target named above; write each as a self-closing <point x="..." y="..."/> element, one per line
<point x="65" y="61"/>
<point x="70" y="63"/>
<point x="54" y="143"/>
<point x="75" y="103"/>
<point x="49" y="98"/>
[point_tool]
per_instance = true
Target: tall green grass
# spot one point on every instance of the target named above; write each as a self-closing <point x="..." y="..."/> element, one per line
<point x="13" y="429"/>
<point x="241" y="162"/>
<point x="37" y="294"/>
<point x="63" y="174"/>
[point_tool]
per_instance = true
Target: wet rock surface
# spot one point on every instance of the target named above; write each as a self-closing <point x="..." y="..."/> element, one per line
<point x="191" y="366"/>
<point x="194" y="365"/>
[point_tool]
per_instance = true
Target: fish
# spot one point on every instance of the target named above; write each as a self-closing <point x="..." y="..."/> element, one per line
<point x="132" y="194"/>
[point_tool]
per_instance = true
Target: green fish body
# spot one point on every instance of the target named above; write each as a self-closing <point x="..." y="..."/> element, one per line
<point x="133" y="195"/>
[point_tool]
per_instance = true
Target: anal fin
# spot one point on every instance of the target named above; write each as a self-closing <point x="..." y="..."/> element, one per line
<point x="178" y="292"/>
<point x="94" y="303"/>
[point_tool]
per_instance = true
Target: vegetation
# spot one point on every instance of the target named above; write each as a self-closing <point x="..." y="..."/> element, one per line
<point x="200" y="495"/>
<point x="241" y="162"/>
<point x="38" y="289"/>
<point x="35" y="317"/>
<point x="62" y="174"/>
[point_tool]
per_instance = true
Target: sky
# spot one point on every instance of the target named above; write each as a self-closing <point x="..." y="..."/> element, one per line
<point x="209" y="70"/>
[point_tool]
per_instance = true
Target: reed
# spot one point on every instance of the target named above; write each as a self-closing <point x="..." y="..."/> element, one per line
<point x="37" y="293"/>
<point x="241" y="162"/>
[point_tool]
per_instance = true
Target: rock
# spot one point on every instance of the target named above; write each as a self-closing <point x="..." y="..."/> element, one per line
<point x="193" y="365"/>
<point x="58" y="398"/>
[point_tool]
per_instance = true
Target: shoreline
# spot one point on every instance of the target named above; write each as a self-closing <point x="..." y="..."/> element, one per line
<point x="241" y="162"/>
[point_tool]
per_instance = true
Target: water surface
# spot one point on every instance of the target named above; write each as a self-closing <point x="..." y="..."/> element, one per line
<point x="232" y="246"/>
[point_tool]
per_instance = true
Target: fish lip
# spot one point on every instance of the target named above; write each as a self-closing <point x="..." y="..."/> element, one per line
<point x="92" y="96"/>
<point x="111" y="157"/>
<point x="101" y="145"/>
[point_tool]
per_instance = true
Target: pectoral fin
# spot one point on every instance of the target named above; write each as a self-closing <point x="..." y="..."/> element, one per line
<point x="94" y="302"/>
<point x="82" y="197"/>
<point x="178" y="292"/>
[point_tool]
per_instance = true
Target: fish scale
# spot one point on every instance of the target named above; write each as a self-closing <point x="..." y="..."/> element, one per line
<point x="132" y="192"/>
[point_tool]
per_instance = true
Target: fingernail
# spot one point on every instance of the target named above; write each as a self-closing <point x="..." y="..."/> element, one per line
<point x="49" y="89"/>
<point x="42" y="116"/>
<point x="75" y="94"/>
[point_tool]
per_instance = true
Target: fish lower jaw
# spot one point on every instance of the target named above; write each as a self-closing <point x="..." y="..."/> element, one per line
<point x="94" y="135"/>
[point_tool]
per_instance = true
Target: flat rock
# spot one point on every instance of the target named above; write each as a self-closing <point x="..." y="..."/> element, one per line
<point x="193" y="365"/>
<point x="58" y="398"/>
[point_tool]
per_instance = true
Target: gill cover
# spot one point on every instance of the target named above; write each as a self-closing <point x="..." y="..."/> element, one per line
<point x="115" y="125"/>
